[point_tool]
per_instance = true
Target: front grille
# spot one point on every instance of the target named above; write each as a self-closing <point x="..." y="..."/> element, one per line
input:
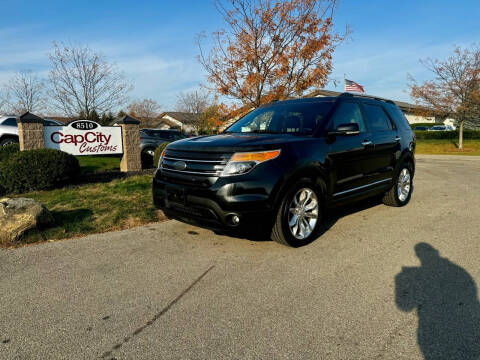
<point x="193" y="167"/>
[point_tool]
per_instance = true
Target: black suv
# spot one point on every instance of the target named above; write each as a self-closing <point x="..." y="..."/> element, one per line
<point x="151" y="138"/>
<point x="286" y="162"/>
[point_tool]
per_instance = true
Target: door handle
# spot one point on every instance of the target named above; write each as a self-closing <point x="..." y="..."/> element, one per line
<point x="398" y="138"/>
<point x="367" y="143"/>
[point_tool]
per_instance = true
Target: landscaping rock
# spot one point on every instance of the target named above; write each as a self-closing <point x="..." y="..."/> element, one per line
<point x="20" y="215"/>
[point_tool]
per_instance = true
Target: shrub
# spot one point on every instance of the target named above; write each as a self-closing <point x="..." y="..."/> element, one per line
<point x="447" y="135"/>
<point x="40" y="169"/>
<point x="7" y="151"/>
<point x="158" y="152"/>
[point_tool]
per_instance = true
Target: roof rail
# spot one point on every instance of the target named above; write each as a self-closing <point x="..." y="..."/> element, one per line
<point x="367" y="97"/>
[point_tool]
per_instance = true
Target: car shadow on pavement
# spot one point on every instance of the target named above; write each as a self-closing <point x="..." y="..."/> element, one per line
<point x="261" y="231"/>
<point x="448" y="310"/>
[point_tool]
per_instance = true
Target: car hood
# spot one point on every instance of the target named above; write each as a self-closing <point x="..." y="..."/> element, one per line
<point x="234" y="142"/>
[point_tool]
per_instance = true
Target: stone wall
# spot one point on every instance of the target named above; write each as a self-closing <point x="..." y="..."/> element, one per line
<point x="30" y="132"/>
<point x="131" y="160"/>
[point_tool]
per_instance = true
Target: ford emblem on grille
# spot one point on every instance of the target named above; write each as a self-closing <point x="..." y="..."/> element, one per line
<point x="179" y="165"/>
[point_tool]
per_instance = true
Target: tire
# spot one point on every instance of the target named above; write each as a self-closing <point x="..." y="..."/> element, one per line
<point x="147" y="158"/>
<point x="397" y="195"/>
<point x="8" y="141"/>
<point x="283" y="231"/>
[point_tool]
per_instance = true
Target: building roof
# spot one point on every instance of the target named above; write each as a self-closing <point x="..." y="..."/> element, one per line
<point x="401" y="104"/>
<point x="155" y="123"/>
<point x="183" y="117"/>
<point x="151" y="123"/>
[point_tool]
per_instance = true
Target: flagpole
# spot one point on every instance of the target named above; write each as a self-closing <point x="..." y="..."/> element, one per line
<point x="344" y="78"/>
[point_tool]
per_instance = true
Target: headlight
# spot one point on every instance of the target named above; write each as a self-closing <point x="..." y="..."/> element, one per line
<point x="241" y="163"/>
<point x="161" y="158"/>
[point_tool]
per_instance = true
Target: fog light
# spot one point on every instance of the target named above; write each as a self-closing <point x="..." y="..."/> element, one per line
<point x="234" y="220"/>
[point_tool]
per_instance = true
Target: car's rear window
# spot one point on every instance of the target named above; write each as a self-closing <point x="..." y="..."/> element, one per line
<point x="50" y="123"/>
<point x="296" y="118"/>
<point x="156" y="133"/>
<point x="161" y="134"/>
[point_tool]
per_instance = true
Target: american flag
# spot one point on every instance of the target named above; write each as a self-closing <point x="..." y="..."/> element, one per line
<point x="353" y="86"/>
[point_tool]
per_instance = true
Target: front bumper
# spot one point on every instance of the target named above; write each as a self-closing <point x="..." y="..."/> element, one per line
<point x="213" y="207"/>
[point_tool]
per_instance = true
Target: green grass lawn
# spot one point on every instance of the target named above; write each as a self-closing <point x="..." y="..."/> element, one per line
<point x="91" y="164"/>
<point x="447" y="147"/>
<point x="96" y="208"/>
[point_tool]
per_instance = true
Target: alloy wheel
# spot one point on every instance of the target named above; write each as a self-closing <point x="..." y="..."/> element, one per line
<point x="404" y="184"/>
<point x="8" y="142"/>
<point x="303" y="213"/>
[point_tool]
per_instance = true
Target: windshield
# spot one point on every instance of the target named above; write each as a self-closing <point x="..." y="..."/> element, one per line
<point x="300" y="118"/>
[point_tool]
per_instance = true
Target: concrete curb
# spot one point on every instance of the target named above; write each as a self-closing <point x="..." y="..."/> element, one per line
<point x="448" y="157"/>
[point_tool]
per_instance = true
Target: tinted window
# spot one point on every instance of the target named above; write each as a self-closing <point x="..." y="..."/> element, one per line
<point x="348" y="113"/>
<point x="153" y="133"/>
<point x="377" y="119"/>
<point x="398" y="117"/>
<point x="49" y="123"/>
<point x="10" y="122"/>
<point x="162" y="134"/>
<point x="178" y="136"/>
<point x="287" y="117"/>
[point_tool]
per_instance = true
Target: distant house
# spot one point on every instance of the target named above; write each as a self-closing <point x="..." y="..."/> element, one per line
<point x="411" y="111"/>
<point x="174" y="120"/>
<point x="177" y="120"/>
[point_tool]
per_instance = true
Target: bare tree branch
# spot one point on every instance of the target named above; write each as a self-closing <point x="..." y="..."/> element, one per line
<point x="195" y="102"/>
<point x="146" y="108"/>
<point x="454" y="90"/>
<point x="83" y="81"/>
<point x="198" y="102"/>
<point x="25" y="91"/>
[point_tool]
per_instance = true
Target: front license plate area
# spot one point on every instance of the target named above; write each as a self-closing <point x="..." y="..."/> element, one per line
<point x="175" y="195"/>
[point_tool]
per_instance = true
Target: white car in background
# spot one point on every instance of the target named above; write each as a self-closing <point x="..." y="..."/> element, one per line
<point x="9" y="128"/>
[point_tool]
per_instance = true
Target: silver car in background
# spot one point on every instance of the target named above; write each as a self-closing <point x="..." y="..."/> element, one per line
<point x="9" y="128"/>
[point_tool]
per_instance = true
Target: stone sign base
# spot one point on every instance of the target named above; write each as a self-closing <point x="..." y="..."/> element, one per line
<point x="31" y="136"/>
<point x="131" y="160"/>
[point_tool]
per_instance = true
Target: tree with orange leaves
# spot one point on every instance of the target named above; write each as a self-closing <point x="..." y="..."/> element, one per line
<point x="455" y="88"/>
<point x="271" y="49"/>
<point x="213" y="118"/>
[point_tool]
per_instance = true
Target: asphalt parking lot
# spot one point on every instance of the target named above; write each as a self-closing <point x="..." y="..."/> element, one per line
<point x="381" y="283"/>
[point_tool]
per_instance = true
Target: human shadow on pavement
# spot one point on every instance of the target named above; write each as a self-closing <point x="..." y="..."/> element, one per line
<point x="448" y="310"/>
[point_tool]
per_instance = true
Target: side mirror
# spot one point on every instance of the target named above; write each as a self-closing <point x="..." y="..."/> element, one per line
<point x="346" y="130"/>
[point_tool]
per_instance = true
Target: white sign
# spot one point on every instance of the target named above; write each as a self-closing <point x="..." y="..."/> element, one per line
<point x="84" y="137"/>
